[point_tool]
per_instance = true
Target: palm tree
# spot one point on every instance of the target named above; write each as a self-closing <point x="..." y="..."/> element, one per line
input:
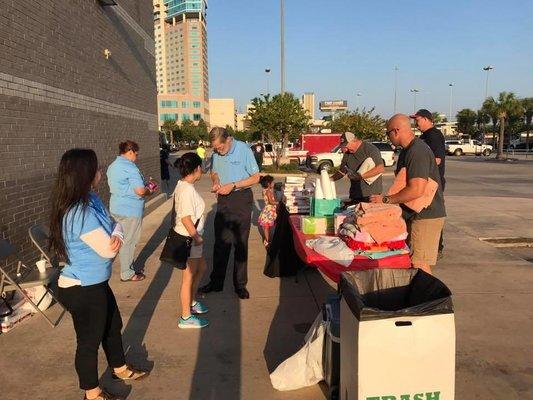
<point x="506" y="106"/>
<point x="527" y="104"/>
<point x="482" y="119"/>
<point x="490" y="109"/>
<point x="437" y="117"/>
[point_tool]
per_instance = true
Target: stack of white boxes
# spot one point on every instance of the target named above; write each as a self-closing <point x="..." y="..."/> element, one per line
<point x="297" y="194"/>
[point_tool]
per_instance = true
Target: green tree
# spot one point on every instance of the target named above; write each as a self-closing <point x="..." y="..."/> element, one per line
<point x="437" y="117"/>
<point x="239" y="135"/>
<point x="482" y="118"/>
<point x="201" y="129"/>
<point x="527" y="105"/>
<point x="492" y="112"/>
<point x="280" y="118"/>
<point x="362" y="123"/>
<point x="189" y="132"/>
<point x="171" y="130"/>
<point x="466" y="119"/>
<point x="506" y="106"/>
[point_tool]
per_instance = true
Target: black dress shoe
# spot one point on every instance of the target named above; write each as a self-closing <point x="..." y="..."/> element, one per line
<point x="242" y="293"/>
<point x="210" y="288"/>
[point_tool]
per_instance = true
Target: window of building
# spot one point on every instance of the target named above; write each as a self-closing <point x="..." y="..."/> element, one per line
<point x="185" y="117"/>
<point x="169" y="117"/>
<point x="184" y="104"/>
<point x="169" y="103"/>
<point x="197" y="104"/>
<point x="197" y="117"/>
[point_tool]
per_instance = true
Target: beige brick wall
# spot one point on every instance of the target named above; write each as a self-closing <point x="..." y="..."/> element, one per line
<point x="58" y="91"/>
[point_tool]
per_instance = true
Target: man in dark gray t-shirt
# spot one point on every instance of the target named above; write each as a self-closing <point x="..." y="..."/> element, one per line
<point x="424" y="227"/>
<point x="419" y="162"/>
<point x="356" y="152"/>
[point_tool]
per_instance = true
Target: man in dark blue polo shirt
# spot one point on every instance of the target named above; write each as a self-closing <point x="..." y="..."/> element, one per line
<point x="233" y="171"/>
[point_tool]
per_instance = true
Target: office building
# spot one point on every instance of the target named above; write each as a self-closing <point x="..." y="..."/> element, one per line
<point x="180" y="30"/>
<point x="308" y="104"/>
<point x="222" y="113"/>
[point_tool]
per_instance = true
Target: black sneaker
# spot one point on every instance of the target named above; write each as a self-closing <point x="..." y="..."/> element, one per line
<point x="242" y="293"/>
<point x="210" y="288"/>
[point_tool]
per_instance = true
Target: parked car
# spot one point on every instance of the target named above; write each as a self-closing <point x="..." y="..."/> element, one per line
<point x="333" y="158"/>
<point x="467" y="146"/>
<point x="521" y="146"/>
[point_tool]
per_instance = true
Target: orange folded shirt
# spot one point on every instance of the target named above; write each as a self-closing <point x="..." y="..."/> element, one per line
<point x="422" y="202"/>
<point x="375" y="212"/>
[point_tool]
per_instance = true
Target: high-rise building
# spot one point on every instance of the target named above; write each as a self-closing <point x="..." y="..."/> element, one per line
<point x="222" y="113"/>
<point x="308" y="103"/>
<point x="180" y="30"/>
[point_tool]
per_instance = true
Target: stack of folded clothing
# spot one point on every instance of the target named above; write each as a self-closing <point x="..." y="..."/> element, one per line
<point x="375" y="230"/>
<point x="296" y="195"/>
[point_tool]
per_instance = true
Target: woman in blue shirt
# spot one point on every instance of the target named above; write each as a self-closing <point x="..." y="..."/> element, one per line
<point x="83" y="235"/>
<point x="128" y="193"/>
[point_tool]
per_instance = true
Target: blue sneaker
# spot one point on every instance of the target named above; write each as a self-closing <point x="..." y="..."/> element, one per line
<point x="199" y="308"/>
<point x="193" y="322"/>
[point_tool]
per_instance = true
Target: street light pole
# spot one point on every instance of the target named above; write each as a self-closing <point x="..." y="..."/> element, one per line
<point x="451" y="96"/>
<point x="414" y="91"/>
<point x="267" y="71"/>
<point x="488" y="68"/>
<point x="357" y="95"/>
<point x="282" y="44"/>
<point x="395" y="86"/>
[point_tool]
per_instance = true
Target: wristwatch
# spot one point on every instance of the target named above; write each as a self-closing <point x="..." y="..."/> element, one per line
<point x="386" y="199"/>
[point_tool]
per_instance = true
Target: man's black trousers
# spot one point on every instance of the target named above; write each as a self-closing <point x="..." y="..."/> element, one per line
<point x="232" y="228"/>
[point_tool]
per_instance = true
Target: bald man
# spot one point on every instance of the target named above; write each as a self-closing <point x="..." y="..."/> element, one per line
<point x="417" y="158"/>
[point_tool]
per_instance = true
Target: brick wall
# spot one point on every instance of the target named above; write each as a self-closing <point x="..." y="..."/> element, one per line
<point x="58" y="91"/>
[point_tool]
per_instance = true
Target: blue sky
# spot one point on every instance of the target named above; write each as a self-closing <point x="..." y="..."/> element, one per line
<point x="338" y="48"/>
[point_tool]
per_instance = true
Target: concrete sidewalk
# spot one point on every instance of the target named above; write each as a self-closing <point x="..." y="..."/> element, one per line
<point x="231" y="359"/>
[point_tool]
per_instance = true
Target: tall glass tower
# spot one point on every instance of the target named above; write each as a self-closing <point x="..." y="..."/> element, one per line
<point x="180" y="28"/>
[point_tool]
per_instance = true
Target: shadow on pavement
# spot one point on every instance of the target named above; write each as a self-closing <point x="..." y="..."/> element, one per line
<point x="139" y="321"/>
<point x="217" y="372"/>
<point x="287" y="331"/>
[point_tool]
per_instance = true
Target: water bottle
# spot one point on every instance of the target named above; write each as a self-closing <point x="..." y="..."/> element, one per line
<point x="6" y="324"/>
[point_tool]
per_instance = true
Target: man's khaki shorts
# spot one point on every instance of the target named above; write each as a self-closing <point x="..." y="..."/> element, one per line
<point x="424" y="235"/>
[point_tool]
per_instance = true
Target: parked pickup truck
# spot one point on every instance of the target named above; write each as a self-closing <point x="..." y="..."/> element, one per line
<point x="467" y="146"/>
<point x="319" y="161"/>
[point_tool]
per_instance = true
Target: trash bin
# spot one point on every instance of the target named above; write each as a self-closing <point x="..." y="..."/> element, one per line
<point x="397" y="336"/>
<point x="331" y="354"/>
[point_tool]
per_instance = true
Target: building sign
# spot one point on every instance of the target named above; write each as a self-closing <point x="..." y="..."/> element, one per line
<point x="333" y="105"/>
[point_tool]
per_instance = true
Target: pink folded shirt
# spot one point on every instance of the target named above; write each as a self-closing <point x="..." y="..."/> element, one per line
<point x="419" y="204"/>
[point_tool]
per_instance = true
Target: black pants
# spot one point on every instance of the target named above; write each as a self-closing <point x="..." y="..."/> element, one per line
<point x="96" y="321"/>
<point x="441" y="239"/>
<point x="232" y="227"/>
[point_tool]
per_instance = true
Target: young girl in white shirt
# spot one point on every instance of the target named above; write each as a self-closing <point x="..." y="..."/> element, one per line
<point x="189" y="208"/>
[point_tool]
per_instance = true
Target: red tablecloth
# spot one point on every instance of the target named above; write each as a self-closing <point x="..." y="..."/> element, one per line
<point x="333" y="269"/>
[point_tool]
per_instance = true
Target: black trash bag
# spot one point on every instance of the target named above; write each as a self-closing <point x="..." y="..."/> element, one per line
<point x="390" y="293"/>
<point x="282" y="259"/>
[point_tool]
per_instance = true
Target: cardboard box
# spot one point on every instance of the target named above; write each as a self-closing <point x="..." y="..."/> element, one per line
<point x="295" y="180"/>
<point x="317" y="225"/>
<point x="406" y="353"/>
